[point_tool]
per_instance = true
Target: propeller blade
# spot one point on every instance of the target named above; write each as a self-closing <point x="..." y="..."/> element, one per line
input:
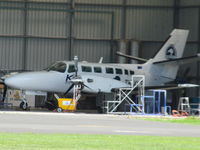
<point x="86" y="86"/>
<point x="69" y="89"/>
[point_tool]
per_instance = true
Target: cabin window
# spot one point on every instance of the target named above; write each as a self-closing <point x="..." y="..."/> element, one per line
<point x="126" y="72"/>
<point x="71" y="68"/>
<point x="109" y="70"/>
<point x="118" y="71"/>
<point x="132" y="72"/>
<point x="86" y="69"/>
<point x="97" y="70"/>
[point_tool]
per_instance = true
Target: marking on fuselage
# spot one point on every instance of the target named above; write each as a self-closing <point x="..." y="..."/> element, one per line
<point x="69" y="77"/>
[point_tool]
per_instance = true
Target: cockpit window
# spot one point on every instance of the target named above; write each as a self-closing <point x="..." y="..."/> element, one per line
<point x="59" y="67"/>
<point x="71" y="68"/>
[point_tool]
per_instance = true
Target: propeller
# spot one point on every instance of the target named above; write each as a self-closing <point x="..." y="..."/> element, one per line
<point x="76" y="80"/>
<point x="69" y="89"/>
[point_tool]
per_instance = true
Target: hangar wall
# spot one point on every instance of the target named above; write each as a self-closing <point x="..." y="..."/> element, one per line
<point x="35" y="33"/>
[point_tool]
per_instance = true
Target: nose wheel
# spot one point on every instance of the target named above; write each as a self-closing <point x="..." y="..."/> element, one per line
<point x="23" y="105"/>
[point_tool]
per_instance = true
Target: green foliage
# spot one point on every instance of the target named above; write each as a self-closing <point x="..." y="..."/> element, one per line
<point x="187" y="120"/>
<point x="29" y="141"/>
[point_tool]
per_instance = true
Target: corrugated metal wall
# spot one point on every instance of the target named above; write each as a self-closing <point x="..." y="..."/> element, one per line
<point x="42" y="52"/>
<point x="143" y="24"/>
<point x="189" y="19"/>
<point x="151" y="2"/>
<point x="189" y="16"/>
<point x="35" y="33"/>
<point x="11" y="53"/>
<point x="99" y="28"/>
<point x="189" y="2"/>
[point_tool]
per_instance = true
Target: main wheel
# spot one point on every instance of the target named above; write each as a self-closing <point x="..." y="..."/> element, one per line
<point x="23" y="106"/>
<point x="59" y="109"/>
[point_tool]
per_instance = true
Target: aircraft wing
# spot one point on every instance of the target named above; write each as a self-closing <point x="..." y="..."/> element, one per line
<point x="180" y="61"/>
<point x="165" y="87"/>
<point x="171" y="86"/>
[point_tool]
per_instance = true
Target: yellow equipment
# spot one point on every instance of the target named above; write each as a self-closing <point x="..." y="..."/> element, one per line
<point x="66" y="104"/>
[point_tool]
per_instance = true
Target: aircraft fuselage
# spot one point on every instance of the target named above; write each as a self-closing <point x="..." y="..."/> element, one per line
<point x="99" y="77"/>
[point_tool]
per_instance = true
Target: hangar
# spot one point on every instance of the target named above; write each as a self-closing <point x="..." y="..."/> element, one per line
<point x="36" y="33"/>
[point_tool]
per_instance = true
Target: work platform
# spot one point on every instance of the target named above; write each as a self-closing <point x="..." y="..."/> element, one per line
<point x="133" y="100"/>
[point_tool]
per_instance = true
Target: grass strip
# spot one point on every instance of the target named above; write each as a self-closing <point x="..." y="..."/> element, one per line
<point x="30" y="141"/>
<point x="187" y="120"/>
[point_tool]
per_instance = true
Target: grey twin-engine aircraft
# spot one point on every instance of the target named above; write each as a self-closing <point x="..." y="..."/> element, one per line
<point x="101" y="77"/>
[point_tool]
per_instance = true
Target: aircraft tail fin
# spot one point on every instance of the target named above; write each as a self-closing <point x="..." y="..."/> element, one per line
<point x="169" y="57"/>
<point x="173" y="47"/>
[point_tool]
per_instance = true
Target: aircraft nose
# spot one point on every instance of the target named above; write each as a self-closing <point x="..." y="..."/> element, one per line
<point x="19" y="81"/>
<point x="35" y="81"/>
<point x="12" y="82"/>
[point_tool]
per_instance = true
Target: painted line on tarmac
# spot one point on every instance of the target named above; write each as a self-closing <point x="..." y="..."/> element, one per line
<point x="93" y="126"/>
<point x="57" y="114"/>
<point x="130" y="131"/>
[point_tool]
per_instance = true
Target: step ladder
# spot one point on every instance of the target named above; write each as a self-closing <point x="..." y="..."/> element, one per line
<point x="184" y="104"/>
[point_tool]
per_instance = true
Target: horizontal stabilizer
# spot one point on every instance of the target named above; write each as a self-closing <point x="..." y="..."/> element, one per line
<point x="180" y="61"/>
<point x="132" y="57"/>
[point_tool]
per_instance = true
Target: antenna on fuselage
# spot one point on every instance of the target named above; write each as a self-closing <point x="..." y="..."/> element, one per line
<point x="101" y="60"/>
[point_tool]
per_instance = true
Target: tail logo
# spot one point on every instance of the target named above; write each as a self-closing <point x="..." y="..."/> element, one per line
<point x="171" y="52"/>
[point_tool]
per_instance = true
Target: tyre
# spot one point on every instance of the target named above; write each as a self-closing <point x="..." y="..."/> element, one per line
<point x="23" y="106"/>
<point x="59" y="109"/>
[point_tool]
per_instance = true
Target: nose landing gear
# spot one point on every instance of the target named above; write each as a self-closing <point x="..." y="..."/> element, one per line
<point x="24" y="104"/>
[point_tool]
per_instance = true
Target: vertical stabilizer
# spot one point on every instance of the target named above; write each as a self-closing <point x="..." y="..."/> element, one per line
<point x="173" y="47"/>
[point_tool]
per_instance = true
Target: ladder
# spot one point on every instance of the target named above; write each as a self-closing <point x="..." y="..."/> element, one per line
<point x="124" y="94"/>
<point x="184" y="104"/>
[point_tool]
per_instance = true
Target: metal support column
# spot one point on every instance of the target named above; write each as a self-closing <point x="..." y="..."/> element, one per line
<point x="71" y="30"/>
<point x="24" y="54"/>
<point x="123" y="22"/>
<point x="198" y="63"/>
<point x="176" y="14"/>
<point x="112" y="38"/>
